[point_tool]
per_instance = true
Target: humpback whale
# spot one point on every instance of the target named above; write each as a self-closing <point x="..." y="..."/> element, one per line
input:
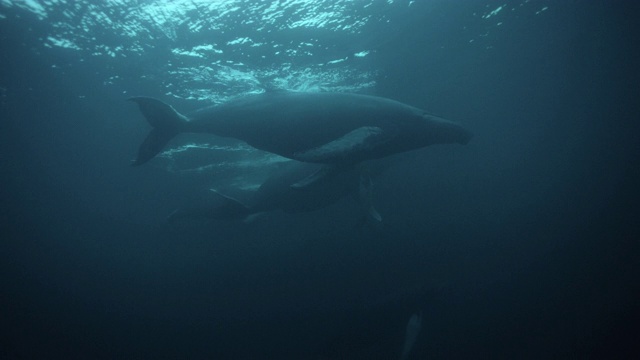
<point x="276" y="194"/>
<point x="338" y="129"/>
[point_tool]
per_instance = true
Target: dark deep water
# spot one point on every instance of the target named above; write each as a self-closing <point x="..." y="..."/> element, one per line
<point x="521" y="244"/>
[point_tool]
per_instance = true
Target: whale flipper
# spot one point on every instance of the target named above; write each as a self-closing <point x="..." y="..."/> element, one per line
<point x="414" y="325"/>
<point x="366" y="199"/>
<point x="322" y="173"/>
<point x="229" y="208"/>
<point x="362" y="139"/>
<point x="166" y="122"/>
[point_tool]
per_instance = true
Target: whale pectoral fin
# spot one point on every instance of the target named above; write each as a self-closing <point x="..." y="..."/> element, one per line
<point x="414" y="325"/>
<point x="231" y="208"/>
<point x="251" y="218"/>
<point x="177" y="214"/>
<point x="324" y="172"/>
<point x="347" y="147"/>
<point x="365" y="197"/>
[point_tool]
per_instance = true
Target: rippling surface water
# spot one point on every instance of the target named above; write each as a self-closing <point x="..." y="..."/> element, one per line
<point x="206" y="52"/>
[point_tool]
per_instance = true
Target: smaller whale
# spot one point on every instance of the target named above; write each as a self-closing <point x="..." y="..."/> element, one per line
<point x="336" y="129"/>
<point x="276" y="194"/>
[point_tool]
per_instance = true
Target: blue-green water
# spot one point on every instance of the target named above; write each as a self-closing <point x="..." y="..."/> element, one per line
<point x="521" y="244"/>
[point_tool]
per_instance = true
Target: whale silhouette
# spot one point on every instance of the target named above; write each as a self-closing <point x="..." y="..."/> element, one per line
<point x="336" y="129"/>
<point x="276" y="194"/>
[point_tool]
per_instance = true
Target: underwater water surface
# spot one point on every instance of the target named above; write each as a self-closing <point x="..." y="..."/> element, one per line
<point x="521" y="244"/>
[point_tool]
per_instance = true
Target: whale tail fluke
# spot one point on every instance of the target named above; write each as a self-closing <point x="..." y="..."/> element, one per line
<point x="166" y="122"/>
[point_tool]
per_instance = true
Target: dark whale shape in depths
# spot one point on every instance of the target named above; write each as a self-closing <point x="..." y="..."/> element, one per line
<point x="276" y="194"/>
<point x="329" y="128"/>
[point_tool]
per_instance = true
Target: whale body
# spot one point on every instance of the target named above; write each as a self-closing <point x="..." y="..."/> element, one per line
<point x="276" y="194"/>
<point x="328" y="128"/>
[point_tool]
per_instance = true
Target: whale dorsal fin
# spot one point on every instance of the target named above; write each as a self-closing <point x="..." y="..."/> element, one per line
<point x="361" y="139"/>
